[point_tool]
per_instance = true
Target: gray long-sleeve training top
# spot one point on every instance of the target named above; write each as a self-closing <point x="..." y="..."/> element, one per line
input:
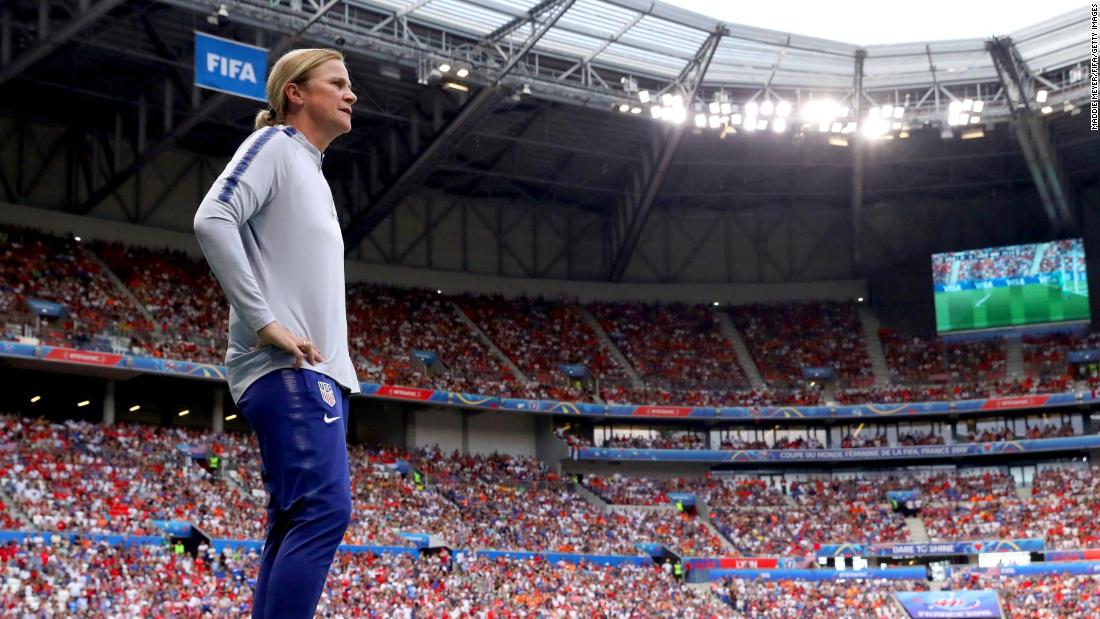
<point x="269" y="230"/>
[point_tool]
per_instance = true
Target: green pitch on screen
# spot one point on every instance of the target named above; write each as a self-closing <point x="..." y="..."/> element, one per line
<point x="991" y="308"/>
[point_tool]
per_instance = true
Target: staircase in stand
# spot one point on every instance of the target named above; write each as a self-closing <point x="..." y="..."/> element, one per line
<point x="1014" y="356"/>
<point x="605" y="339"/>
<point x="874" y="346"/>
<point x="497" y="352"/>
<point x="744" y="357"/>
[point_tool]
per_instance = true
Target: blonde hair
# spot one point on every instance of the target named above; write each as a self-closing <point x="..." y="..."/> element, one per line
<point x="293" y="67"/>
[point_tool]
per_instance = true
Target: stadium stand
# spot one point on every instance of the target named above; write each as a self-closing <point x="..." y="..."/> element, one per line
<point x="785" y="338"/>
<point x="679" y="350"/>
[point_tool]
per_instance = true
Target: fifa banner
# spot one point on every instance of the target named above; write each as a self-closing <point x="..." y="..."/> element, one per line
<point x="152" y="365"/>
<point x="950" y="604"/>
<point x="841" y="455"/>
<point x="230" y="67"/>
<point x="824" y="574"/>
<point x="972" y="547"/>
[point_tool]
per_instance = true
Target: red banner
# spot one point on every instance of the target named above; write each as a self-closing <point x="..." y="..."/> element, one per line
<point x="405" y="393"/>
<point x="1026" y="401"/>
<point x="735" y="563"/>
<point x="83" y="356"/>
<point x="662" y="411"/>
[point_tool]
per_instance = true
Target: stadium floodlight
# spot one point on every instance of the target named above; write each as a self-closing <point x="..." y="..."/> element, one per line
<point x="972" y="133"/>
<point x="183" y="413"/>
<point x="1047" y="109"/>
<point x="783" y="109"/>
<point x="624" y="107"/>
<point x="751" y="109"/>
<point x="715" y="107"/>
<point x="35" y="399"/>
<point x="837" y="127"/>
<point x="735" y="119"/>
<point x="643" y="96"/>
<point x="714" y="121"/>
<point x="444" y="68"/>
<point x="701" y="121"/>
<point x="438" y="291"/>
<point x="76" y="238"/>
<point x="135" y="408"/>
<point x="635" y="110"/>
<point x="887" y="111"/>
<point x="903" y="135"/>
<point x="850" y="127"/>
<point x="657" y="112"/>
<point x="463" y="72"/>
<point x="823" y="126"/>
<point x="762" y="124"/>
<point x="456" y="86"/>
<point x="837" y="140"/>
<point x="859" y="299"/>
<point x="1041" y="96"/>
<point x="83" y="403"/>
<point x="716" y="304"/>
<point x="967" y="105"/>
<point x="231" y="417"/>
<point x="779" y="125"/>
<point x="725" y="108"/>
<point x="979" y="105"/>
<point x="767" y="108"/>
<point x="675" y="115"/>
<point x="750" y="123"/>
<point x="899" y="112"/>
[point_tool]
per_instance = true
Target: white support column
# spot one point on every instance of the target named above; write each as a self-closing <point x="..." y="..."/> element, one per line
<point x="219" y="412"/>
<point x="109" y="403"/>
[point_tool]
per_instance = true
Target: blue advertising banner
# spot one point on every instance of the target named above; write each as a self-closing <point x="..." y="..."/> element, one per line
<point x="231" y="67"/>
<point x="890" y="573"/>
<point x="1005" y="282"/>
<point x="687" y="499"/>
<point x="1069" y="567"/>
<point x="175" y="528"/>
<point x="428" y="358"/>
<point x="420" y="540"/>
<point x="1083" y="356"/>
<point x="841" y="455"/>
<point x="555" y="557"/>
<point x="901" y="496"/>
<point x="818" y="373"/>
<point x="950" y="604"/>
<point x="45" y="308"/>
<point x="587" y="409"/>
<point x="972" y="547"/>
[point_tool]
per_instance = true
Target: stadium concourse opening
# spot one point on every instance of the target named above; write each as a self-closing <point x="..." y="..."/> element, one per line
<point x="637" y="311"/>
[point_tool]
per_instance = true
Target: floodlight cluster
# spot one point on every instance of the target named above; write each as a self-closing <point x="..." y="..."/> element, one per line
<point x="965" y="112"/>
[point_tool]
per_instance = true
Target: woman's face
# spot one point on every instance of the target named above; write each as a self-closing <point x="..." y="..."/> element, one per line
<point x="328" y="98"/>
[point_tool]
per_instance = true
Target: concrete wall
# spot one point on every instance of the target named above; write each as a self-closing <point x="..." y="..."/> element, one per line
<point x="477" y="433"/>
<point x="429" y="427"/>
<point x="504" y="433"/>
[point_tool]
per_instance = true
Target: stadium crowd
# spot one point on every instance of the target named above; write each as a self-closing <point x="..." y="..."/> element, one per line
<point x="680" y="351"/>
<point x="786" y="337"/>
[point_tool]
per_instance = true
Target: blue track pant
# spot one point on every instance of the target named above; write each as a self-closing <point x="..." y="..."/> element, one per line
<point x="300" y="418"/>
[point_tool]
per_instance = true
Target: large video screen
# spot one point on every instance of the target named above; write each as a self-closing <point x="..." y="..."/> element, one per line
<point x="1010" y="286"/>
